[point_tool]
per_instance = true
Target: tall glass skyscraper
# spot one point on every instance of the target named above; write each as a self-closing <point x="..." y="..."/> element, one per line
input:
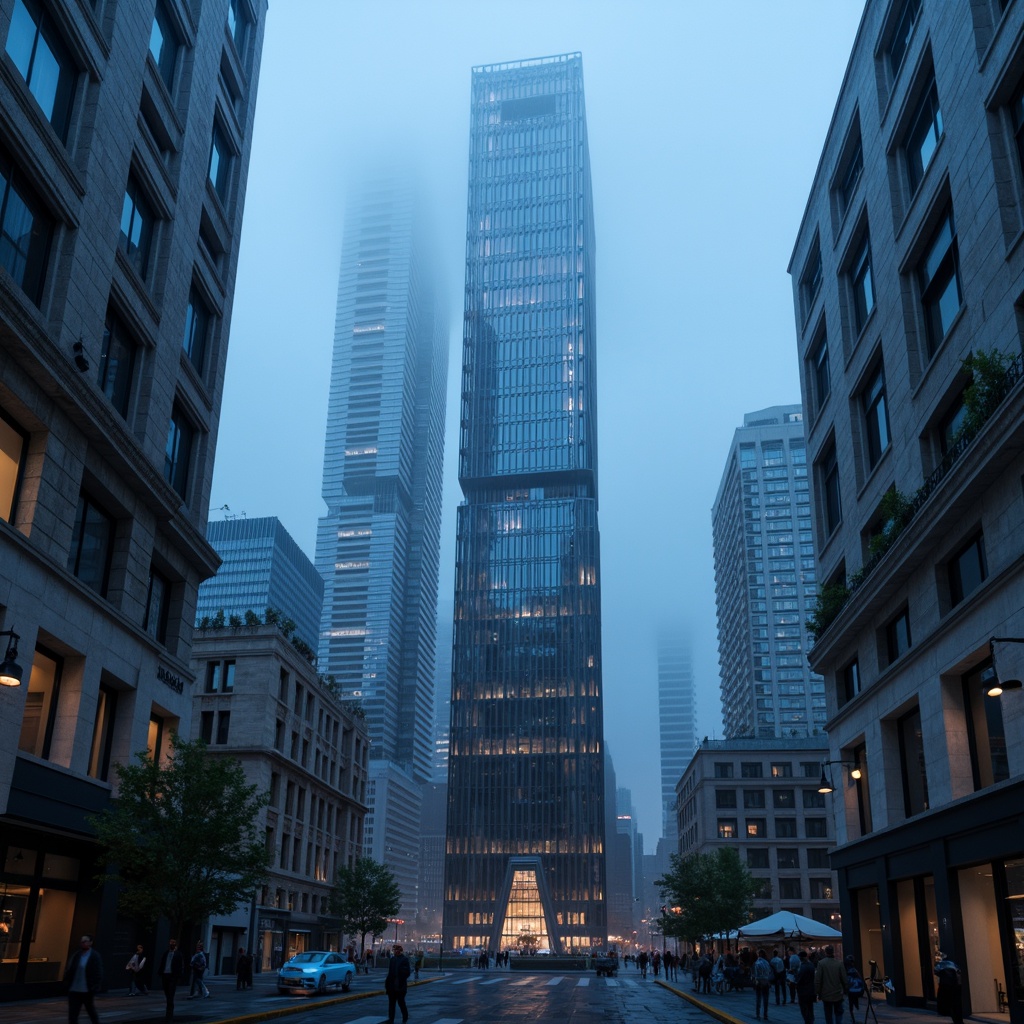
<point x="378" y="545"/>
<point x="524" y="864"/>
<point x="677" y="721"/>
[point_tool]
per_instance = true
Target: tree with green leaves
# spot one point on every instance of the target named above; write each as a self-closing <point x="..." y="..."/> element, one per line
<point x="364" y="897"/>
<point x="710" y="893"/>
<point x="183" y="836"/>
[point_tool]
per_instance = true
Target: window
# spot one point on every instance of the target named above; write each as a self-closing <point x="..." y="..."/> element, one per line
<point x="862" y="287"/>
<point x="236" y="24"/>
<point x="863" y="791"/>
<point x="788" y="857"/>
<point x="155" y="738"/>
<point x="41" y="704"/>
<point x="726" y="828"/>
<point x="220" y="163"/>
<point x="757" y="828"/>
<point x="785" y="828"/>
<point x="206" y="727"/>
<point x="197" y="327"/>
<point x="137" y="222"/>
<point x="939" y="280"/>
<point x="817" y="857"/>
<point x="967" y="569"/>
<point x="178" y="453"/>
<point x="223" y="723"/>
<point x="44" y="62"/>
<point x="923" y="137"/>
<point x="828" y="473"/>
<point x="25" y="231"/>
<point x="809" y="769"/>
<point x="757" y="857"/>
<point x="782" y="769"/>
<point x="986" y="734"/>
<point x="897" y="636"/>
<point x="783" y="799"/>
<point x="850" y="681"/>
<point x="812" y="798"/>
<point x="876" y="415"/>
<point x="117" y="361"/>
<point x="903" y="29"/>
<point x="821" y="381"/>
<point x="753" y="798"/>
<point x="821" y="888"/>
<point x="92" y="542"/>
<point x="815" y="828"/>
<point x="1017" y="119"/>
<point x="912" y="763"/>
<point x="952" y="423"/>
<point x="850" y="178"/>
<point x="751" y="770"/>
<point x="725" y="798"/>
<point x="790" y="889"/>
<point x="103" y="733"/>
<point x="282" y="686"/>
<point x="157" y="601"/>
<point x="163" y="45"/>
<point x="220" y="676"/>
<point x="13" y="448"/>
<point x="810" y="281"/>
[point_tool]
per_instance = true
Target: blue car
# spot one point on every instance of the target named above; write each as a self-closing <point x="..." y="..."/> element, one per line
<point x="315" y="971"/>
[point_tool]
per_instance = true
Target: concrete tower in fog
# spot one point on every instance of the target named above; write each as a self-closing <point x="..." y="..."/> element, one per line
<point x="378" y="543"/>
<point x="677" y="720"/>
<point x="524" y="864"/>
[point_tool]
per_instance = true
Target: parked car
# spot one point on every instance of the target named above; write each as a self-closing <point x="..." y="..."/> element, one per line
<point x="315" y="970"/>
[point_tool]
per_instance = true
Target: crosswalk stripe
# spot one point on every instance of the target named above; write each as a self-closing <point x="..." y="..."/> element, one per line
<point x="494" y="981"/>
<point x="465" y="981"/>
<point x="583" y="983"/>
<point x="364" y="1020"/>
<point x="555" y="981"/>
<point x="612" y="981"/>
<point x="525" y="981"/>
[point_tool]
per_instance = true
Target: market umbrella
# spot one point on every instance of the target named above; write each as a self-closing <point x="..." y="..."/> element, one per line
<point x="787" y="925"/>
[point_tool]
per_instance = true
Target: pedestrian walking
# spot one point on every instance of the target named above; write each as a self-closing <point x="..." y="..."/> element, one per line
<point x="778" y="966"/>
<point x="199" y="963"/>
<point x="949" y="998"/>
<point x="805" y="993"/>
<point x="396" y="984"/>
<point x="761" y="973"/>
<point x="831" y="985"/>
<point x="172" y="966"/>
<point x="135" y="965"/>
<point x="84" y="978"/>
<point x="856" y="989"/>
<point x="243" y="970"/>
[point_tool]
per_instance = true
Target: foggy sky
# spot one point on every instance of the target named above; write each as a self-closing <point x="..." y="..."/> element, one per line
<point x="705" y="123"/>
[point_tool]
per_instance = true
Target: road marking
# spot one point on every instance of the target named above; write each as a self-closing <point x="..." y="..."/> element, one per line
<point x="555" y="981"/>
<point x="494" y="981"/>
<point x="449" y="1020"/>
<point x="525" y="981"/>
<point x="364" y="1020"/>
<point x="465" y="981"/>
<point x="612" y="981"/>
<point x="583" y="982"/>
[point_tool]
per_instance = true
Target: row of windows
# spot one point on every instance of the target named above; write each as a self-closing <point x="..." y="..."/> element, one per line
<point x="777" y="769"/>
<point x="785" y="828"/>
<point x="787" y="857"/>
<point x="781" y="798"/>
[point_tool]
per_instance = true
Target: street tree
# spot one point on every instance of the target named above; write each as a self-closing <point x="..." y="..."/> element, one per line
<point x="710" y="893"/>
<point x="183" y="836"/>
<point x="364" y="897"/>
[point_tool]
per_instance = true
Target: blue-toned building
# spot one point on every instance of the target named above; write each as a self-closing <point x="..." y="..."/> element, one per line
<point x="677" y="720"/>
<point x="378" y="545"/>
<point x="262" y="567"/>
<point x="524" y="864"/>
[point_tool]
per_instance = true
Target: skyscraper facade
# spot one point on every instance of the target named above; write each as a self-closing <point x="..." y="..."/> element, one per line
<point x="378" y="545"/>
<point x="125" y="133"/>
<point x="677" y="721"/>
<point x="524" y="863"/>
<point x="262" y="567"/>
<point x="765" y="582"/>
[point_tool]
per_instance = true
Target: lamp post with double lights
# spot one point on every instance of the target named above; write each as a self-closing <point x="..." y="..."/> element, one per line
<point x="996" y="686"/>
<point x="825" y="785"/>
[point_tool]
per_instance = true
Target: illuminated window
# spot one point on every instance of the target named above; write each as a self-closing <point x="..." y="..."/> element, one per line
<point x="13" y="448"/>
<point x="41" y="701"/>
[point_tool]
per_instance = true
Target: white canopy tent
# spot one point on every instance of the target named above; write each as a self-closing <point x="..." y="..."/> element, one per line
<point x="787" y="925"/>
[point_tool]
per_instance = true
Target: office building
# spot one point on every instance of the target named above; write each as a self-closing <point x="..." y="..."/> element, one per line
<point x="760" y="797"/>
<point x="907" y="262"/>
<point x="677" y="720"/>
<point x="125" y="131"/>
<point x="262" y="567"/>
<point x="260" y="701"/>
<point x="765" y="580"/>
<point x="525" y="859"/>
<point x="378" y="545"/>
<point x="433" y="810"/>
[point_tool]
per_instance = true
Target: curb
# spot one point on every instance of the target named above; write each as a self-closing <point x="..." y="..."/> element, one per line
<point x="711" y="1011"/>
<point x="287" y="1011"/>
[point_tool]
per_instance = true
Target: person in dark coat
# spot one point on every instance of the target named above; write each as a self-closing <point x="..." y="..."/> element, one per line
<point x="172" y="966"/>
<point x="84" y="978"/>
<point x="949" y="1000"/>
<point x="396" y="984"/>
<point x="805" y="993"/>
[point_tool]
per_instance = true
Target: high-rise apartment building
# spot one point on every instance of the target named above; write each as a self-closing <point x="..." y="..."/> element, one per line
<point x="525" y="855"/>
<point x="125" y="132"/>
<point x="908" y="281"/>
<point x="262" y="567"/>
<point x="677" y="721"/>
<point x="378" y="546"/>
<point x="765" y="580"/>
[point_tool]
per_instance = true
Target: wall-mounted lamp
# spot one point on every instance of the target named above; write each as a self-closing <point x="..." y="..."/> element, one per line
<point x="825" y="785"/>
<point x="81" y="359"/>
<point x="996" y="686"/>
<point x="10" y="671"/>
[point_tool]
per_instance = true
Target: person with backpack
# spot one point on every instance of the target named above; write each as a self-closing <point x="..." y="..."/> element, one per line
<point x="856" y="989"/>
<point x="198" y="963"/>
<point x="762" y="976"/>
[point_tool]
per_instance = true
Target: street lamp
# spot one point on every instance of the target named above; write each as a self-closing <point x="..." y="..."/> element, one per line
<point x="826" y="786"/>
<point x="10" y="671"/>
<point x="997" y="686"/>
